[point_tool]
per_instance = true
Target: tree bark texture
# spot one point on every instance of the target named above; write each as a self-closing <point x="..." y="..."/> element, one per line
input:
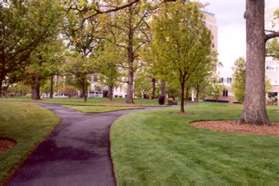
<point x="110" y="92"/>
<point x="163" y="88"/>
<point x="153" y="96"/>
<point x="1" y="87"/>
<point x="36" y="85"/>
<point x="182" y="96"/>
<point x="131" y="58"/>
<point x="84" y="89"/>
<point x="51" y="86"/>
<point x="254" y="102"/>
<point x="197" y="92"/>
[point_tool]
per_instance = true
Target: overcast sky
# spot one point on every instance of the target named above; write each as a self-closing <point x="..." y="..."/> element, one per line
<point x="231" y="28"/>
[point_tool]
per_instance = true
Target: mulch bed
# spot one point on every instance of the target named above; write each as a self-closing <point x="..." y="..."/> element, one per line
<point x="235" y="127"/>
<point x="6" y="144"/>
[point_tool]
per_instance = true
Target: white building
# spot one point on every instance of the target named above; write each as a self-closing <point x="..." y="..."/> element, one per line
<point x="272" y="74"/>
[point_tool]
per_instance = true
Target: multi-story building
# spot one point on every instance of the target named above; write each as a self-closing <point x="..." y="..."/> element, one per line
<point x="211" y="23"/>
<point x="272" y="74"/>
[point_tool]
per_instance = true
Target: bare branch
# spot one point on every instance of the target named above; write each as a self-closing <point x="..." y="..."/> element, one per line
<point x="271" y="34"/>
<point x="98" y="11"/>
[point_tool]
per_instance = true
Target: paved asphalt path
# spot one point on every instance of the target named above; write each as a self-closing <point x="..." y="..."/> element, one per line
<point x="77" y="153"/>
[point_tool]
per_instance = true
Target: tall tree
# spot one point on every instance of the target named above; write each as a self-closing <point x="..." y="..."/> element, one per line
<point x="84" y="36"/>
<point x="129" y="28"/>
<point x="254" y="111"/>
<point x="181" y="41"/>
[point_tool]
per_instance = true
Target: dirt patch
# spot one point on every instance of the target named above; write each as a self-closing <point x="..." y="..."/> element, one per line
<point x="235" y="127"/>
<point x="6" y="144"/>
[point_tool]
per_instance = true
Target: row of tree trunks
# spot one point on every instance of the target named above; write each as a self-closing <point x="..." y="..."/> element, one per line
<point x="254" y="111"/>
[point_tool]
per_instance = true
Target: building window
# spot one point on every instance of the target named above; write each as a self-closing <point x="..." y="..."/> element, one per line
<point x="229" y="80"/>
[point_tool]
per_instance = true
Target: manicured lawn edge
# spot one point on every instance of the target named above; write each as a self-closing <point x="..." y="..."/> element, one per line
<point x="24" y="157"/>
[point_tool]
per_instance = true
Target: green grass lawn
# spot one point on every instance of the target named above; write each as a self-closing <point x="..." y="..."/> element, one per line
<point x="26" y="123"/>
<point x="161" y="148"/>
<point x="102" y="108"/>
<point x="98" y="104"/>
<point x="93" y="104"/>
<point x="101" y="102"/>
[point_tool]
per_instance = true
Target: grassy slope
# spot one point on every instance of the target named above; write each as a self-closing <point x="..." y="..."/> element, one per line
<point x="93" y="104"/>
<point x="101" y="102"/>
<point x="161" y="148"/>
<point x="97" y="108"/>
<point x="28" y="124"/>
<point x="96" y="104"/>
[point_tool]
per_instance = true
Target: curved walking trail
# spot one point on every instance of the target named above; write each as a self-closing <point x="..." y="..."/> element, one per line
<point x="76" y="153"/>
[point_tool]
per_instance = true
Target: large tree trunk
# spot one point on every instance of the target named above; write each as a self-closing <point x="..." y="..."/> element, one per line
<point x="51" y="86"/>
<point x="153" y="88"/>
<point x="197" y="92"/>
<point x="130" y="51"/>
<point x="163" y="88"/>
<point x="84" y="89"/>
<point x="1" y="88"/>
<point x="162" y="97"/>
<point x="254" y="102"/>
<point x="36" y="84"/>
<point x="130" y="90"/>
<point x="110" y="92"/>
<point x="182" y="96"/>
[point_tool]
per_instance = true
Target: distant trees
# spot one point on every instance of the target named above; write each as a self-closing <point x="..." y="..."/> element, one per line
<point x="273" y="49"/>
<point x="181" y="42"/>
<point x="44" y="63"/>
<point x="80" y="67"/>
<point x="238" y="85"/>
<point x="74" y="39"/>
<point x="108" y="65"/>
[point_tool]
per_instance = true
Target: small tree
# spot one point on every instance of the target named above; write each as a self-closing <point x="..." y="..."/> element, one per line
<point x="215" y="87"/>
<point x="181" y="42"/>
<point x="238" y="85"/>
